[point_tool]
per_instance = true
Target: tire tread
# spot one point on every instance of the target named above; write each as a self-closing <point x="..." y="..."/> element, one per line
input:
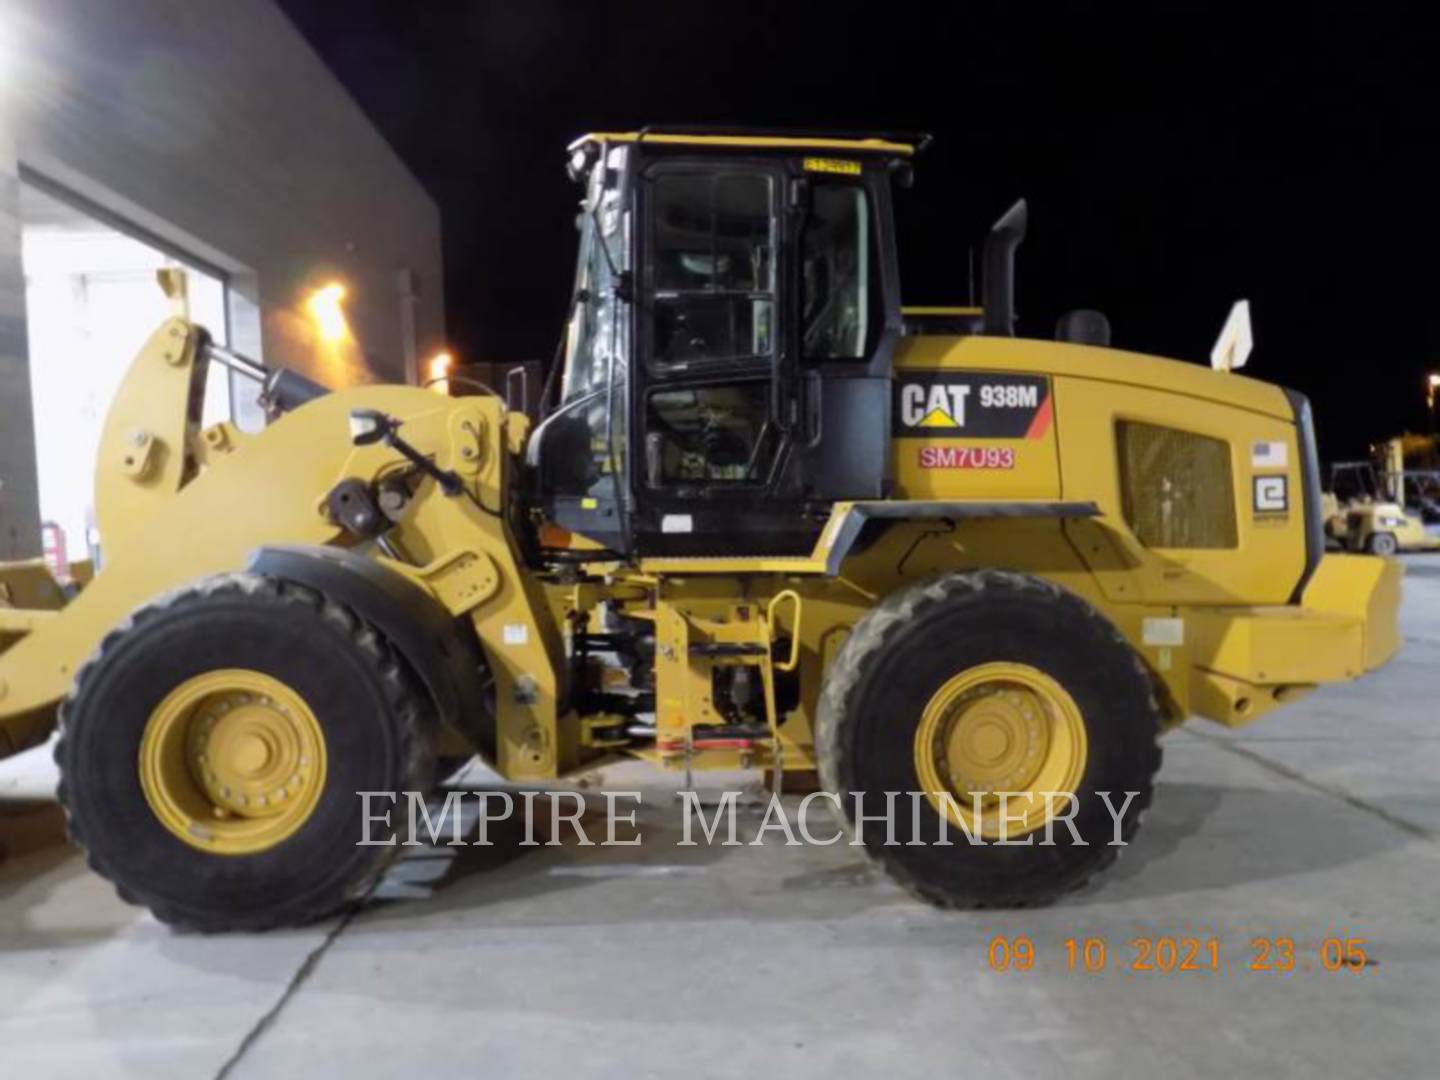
<point x="416" y="749"/>
<point x="873" y="635"/>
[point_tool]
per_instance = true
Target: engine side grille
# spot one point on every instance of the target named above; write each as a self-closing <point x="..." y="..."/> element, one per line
<point x="1177" y="488"/>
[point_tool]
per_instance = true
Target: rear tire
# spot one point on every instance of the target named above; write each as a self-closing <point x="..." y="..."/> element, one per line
<point x="1382" y="543"/>
<point x="377" y="735"/>
<point x="899" y="660"/>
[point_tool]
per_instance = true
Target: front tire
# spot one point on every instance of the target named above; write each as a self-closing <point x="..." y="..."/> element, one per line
<point x="1383" y="543"/>
<point x="212" y="750"/>
<point x="986" y="682"/>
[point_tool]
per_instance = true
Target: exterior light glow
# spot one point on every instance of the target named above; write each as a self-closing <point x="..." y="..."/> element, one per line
<point x="437" y="371"/>
<point x="325" y="308"/>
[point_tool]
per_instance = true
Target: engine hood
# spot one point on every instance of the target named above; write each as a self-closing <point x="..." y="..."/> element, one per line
<point x="1066" y="360"/>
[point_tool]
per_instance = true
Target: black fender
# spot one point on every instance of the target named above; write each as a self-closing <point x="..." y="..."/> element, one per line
<point x="442" y="651"/>
<point x="852" y="525"/>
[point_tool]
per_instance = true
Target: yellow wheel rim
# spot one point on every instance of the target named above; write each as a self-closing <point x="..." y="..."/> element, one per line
<point x="232" y="762"/>
<point x="994" y="728"/>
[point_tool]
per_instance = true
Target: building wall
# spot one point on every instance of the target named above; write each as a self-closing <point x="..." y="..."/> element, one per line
<point x="215" y="128"/>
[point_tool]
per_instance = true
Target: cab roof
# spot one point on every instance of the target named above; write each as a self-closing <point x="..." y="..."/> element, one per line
<point x="905" y="144"/>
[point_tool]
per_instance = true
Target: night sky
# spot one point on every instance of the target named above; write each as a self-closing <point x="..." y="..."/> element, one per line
<point x="1176" y="157"/>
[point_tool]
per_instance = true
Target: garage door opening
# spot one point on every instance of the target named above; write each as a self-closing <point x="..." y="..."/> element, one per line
<point x="91" y="300"/>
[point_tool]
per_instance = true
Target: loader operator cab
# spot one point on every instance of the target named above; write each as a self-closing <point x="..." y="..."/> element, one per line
<point x="729" y="345"/>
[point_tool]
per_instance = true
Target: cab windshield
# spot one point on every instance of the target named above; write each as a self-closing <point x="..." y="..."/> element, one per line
<point x="596" y="340"/>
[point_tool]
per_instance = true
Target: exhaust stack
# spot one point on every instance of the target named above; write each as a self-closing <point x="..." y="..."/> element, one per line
<point x="998" y="287"/>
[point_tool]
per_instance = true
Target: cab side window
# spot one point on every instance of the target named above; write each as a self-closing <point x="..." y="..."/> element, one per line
<point x="840" y="276"/>
<point x="702" y="436"/>
<point x="712" y="269"/>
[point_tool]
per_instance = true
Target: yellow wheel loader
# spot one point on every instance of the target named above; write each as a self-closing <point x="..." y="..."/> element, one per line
<point x="772" y="520"/>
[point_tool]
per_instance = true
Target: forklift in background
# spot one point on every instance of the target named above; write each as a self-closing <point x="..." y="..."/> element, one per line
<point x="1390" y="504"/>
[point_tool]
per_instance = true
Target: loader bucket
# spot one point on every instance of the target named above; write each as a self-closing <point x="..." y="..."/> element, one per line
<point x="29" y="584"/>
<point x="176" y="503"/>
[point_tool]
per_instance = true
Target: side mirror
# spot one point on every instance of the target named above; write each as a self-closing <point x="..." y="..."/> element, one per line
<point x="369" y="426"/>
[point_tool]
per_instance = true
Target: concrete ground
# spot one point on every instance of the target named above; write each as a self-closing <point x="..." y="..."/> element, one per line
<point x="1319" y="822"/>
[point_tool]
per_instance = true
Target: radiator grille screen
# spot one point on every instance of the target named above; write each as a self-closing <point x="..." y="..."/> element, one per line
<point x="1176" y="487"/>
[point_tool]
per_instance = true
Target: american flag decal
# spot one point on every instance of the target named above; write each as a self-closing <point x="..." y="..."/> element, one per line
<point x="1268" y="455"/>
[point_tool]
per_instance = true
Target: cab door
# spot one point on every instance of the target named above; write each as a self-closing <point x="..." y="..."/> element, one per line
<point x="762" y="384"/>
<point x="711" y="407"/>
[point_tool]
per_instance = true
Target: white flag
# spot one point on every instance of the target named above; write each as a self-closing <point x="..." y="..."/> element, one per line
<point x="1232" y="347"/>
